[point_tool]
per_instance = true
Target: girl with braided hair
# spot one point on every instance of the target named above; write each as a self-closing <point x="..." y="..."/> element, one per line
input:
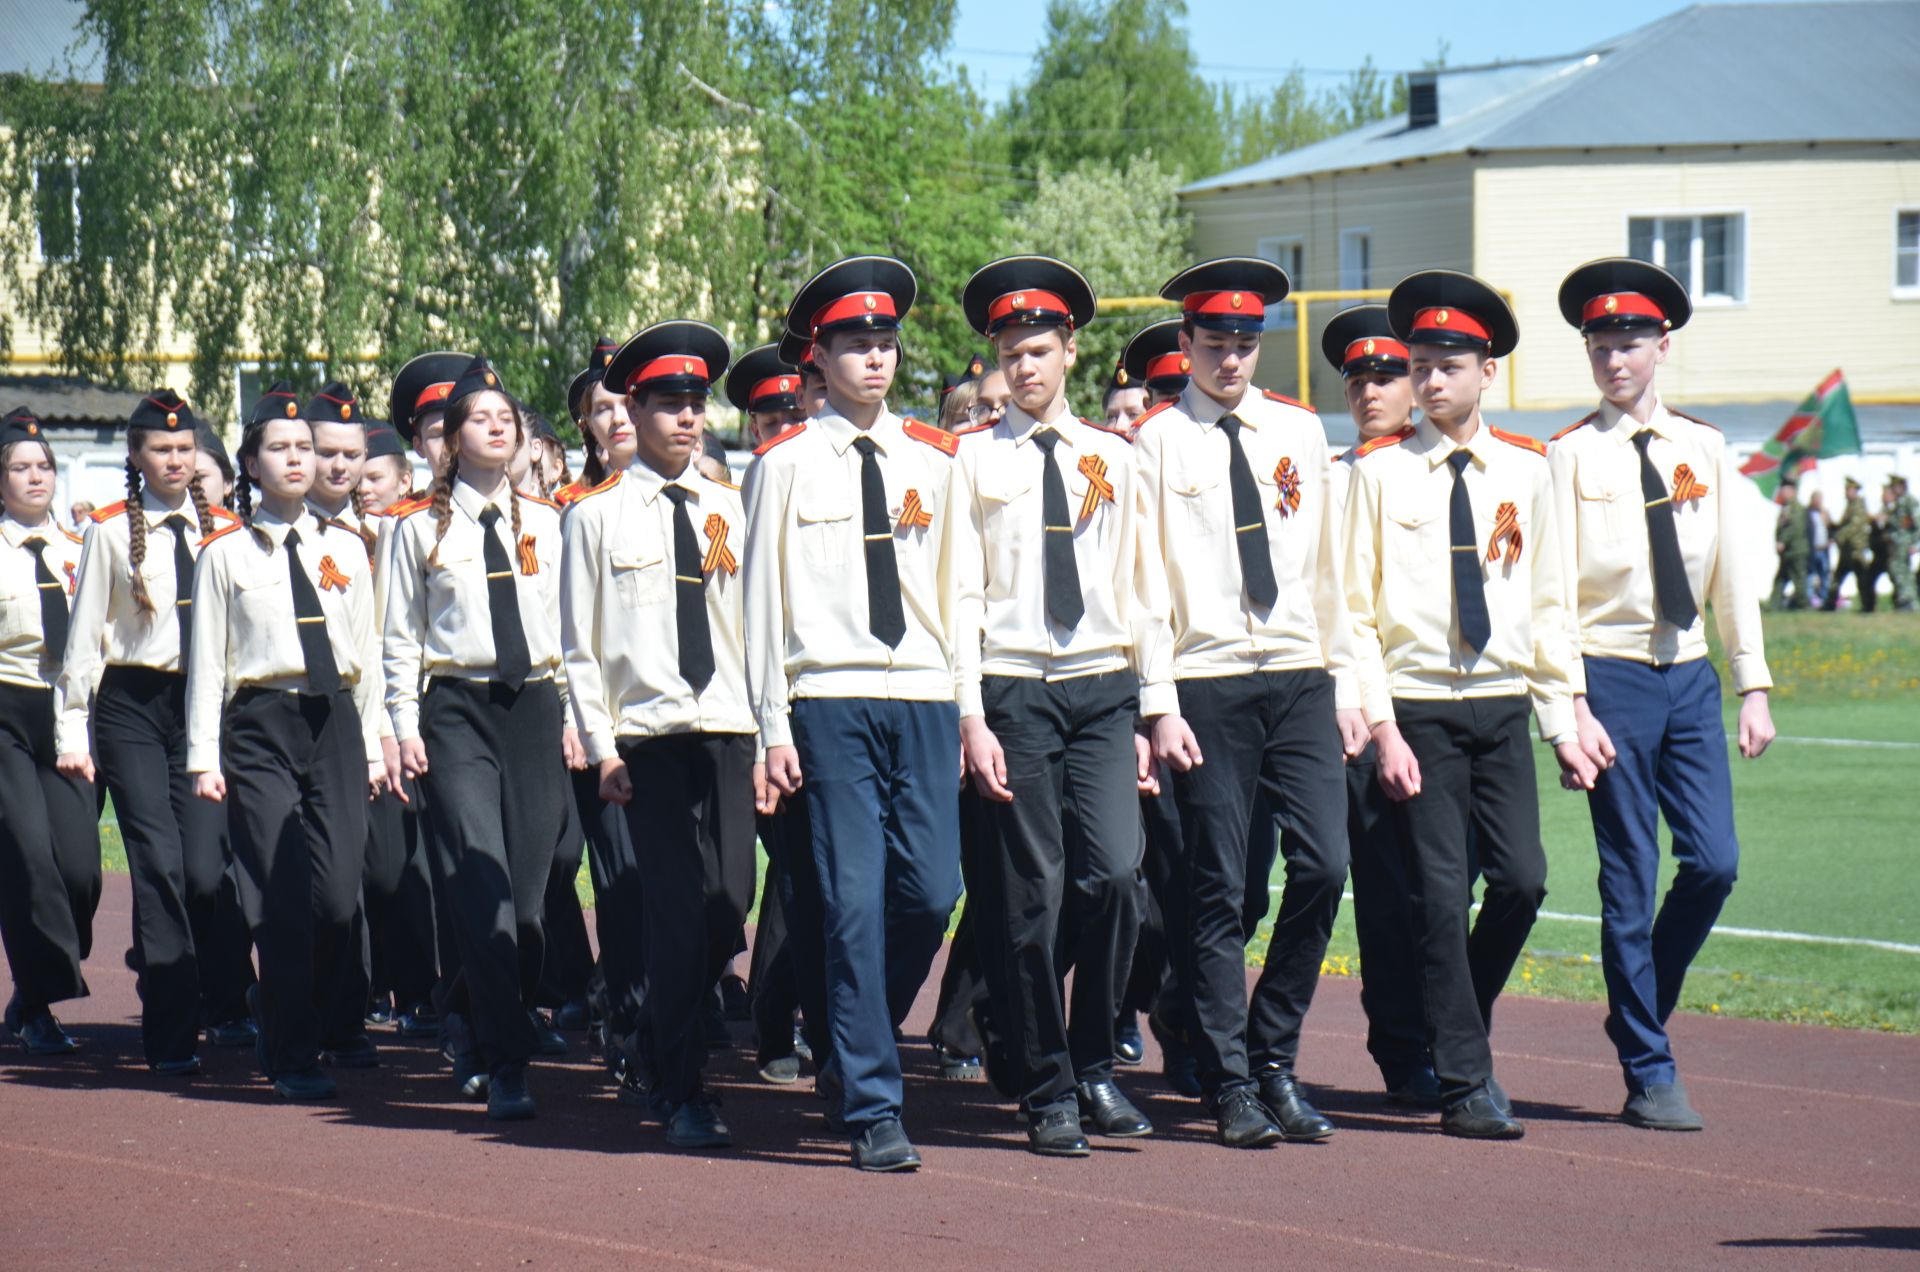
<point x="123" y="693"/>
<point x="283" y="706"/>
<point x="49" y="832"/>
<point x="471" y="603"/>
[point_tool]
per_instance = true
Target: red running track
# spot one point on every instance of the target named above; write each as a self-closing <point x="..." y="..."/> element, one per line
<point x="1811" y="1158"/>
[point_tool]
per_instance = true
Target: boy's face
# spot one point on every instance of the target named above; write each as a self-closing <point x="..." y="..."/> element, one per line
<point x="859" y="365"/>
<point x="1223" y="361"/>
<point x="1623" y="362"/>
<point x="1448" y="382"/>
<point x="668" y="428"/>
<point x="1379" y="402"/>
<point x="1034" y="362"/>
<point x="1124" y="406"/>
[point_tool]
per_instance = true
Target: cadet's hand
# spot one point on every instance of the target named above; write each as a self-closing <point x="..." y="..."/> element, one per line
<point x="1593" y="735"/>
<point x="1756" y="724"/>
<point x="376" y="779"/>
<point x="210" y="786"/>
<point x="1399" y="771"/>
<point x="1353" y="731"/>
<point x="1577" y="770"/>
<point x="1145" y="779"/>
<point x="413" y="757"/>
<point x="981" y="752"/>
<point x="76" y="764"/>
<point x="1174" y="744"/>
<point x="616" y="784"/>
<point x="572" y="751"/>
<point x="390" y="759"/>
<point x="783" y="769"/>
<point x="766" y="800"/>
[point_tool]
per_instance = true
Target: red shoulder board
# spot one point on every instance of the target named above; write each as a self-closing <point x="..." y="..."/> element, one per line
<point x="109" y="512"/>
<point x="780" y="437"/>
<point x="938" y="438"/>
<point x="1381" y="443"/>
<point x="334" y="523"/>
<point x="533" y="498"/>
<point x="217" y="511"/>
<point x="1150" y="412"/>
<point x="1524" y="442"/>
<point x="71" y="535"/>
<point x="971" y="429"/>
<point x="1120" y="433"/>
<point x="1271" y="396"/>
<point x="568" y="494"/>
<point x="1579" y="423"/>
<point x="407" y="507"/>
<point x="583" y="493"/>
<point x="223" y="532"/>
<point x="1692" y="419"/>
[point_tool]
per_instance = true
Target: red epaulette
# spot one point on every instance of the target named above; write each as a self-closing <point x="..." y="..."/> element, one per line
<point x="1120" y="433"/>
<point x="407" y="507"/>
<point x="938" y="438"/>
<point x="223" y="532"/>
<point x="1521" y="440"/>
<point x="780" y="437"/>
<point x="108" y="513"/>
<point x="568" y="494"/>
<point x="1692" y="419"/>
<point x="1150" y="412"/>
<point x="608" y="484"/>
<point x="1381" y="443"/>
<point x="539" y="499"/>
<point x="337" y="524"/>
<point x="71" y="535"/>
<point x="217" y="511"/>
<point x="971" y="429"/>
<point x="1271" y="396"/>
<point x="1580" y="423"/>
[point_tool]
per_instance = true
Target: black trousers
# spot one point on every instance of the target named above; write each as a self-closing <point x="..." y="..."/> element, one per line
<point x="496" y="792"/>
<point x="296" y="771"/>
<point x="1273" y="731"/>
<point x="963" y="1008"/>
<point x="619" y="911"/>
<point x="692" y="824"/>
<point x="1383" y="922"/>
<point x="49" y="857"/>
<point x="790" y="863"/>
<point x="190" y="942"/>
<point x="1476" y="780"/>
<point x="773" y="993"/>
<point x="397" y="894"/>
<point x="569" y="964"/>
<point x="1070" y="758"/>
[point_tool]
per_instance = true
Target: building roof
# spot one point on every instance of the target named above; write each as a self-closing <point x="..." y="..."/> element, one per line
<point x="67" y="400"/>
<point x="1709" y="75"/>
<point x="40" y="34"/>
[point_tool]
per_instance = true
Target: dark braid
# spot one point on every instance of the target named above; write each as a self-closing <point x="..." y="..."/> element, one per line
<point x="242" y="494"/>
<point x="137" y="533"/>
<point x="202" y="506"/>
<point x="442" y="495"/>
<point x="594" y="470"/>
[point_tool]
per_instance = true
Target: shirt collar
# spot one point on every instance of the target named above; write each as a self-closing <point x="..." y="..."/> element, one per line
<point x="17" y="534"/>
<point x="157" y="516"/>
<point x="1206" y="409"/>
<point x="650" y="483"/>
<point x="841" y="431"/>
<point x="1023" y="426"/>
<point x="470" y="501"/>
<point x="274" y="530"/>
<point x="1436" y="446"/>
<point x="1617" y="424"/>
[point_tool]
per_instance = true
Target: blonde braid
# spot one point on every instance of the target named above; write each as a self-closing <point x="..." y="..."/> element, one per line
<point x="513" y="502"/>
<point x="137" y="538"/>
<point x="201" y="506"/>
<point x="442" y="496"/>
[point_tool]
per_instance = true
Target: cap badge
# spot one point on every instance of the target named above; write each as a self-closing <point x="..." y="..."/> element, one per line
<point x="1369" y="348"/>
<point x="1120" y="376"/>
<point x="872" y="303"/>
<point x="173" y="419"/>
<point x="346" y="410"/>
<point x="1186" y="363"/>
<point x="688" y="366"/>
<point x="33" y="430"/>
<point x="1238" y="300"/>
<point x="491" y="381"/>
<point x="1442" y="317"/>
<point x="1613" y="304"/>
<point x="292" y="410"/>
<point x="786" y="385"/>
<point x="1020" y="300"/>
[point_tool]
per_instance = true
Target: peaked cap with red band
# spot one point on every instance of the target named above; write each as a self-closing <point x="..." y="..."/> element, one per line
<point x="1618" y="292"/>
<point x="861" y="293"/>
<point x="1153" y="358"/>
<point x="423" y="385"/>
<point x="763" y="381"/>
<point x="678" y="356"/>
<point x="798" y="351"/>
<point x="1229" y="294"/>
<point x="1454" y="310"/>
<point x="1361" y="339"/>
<point x="1027" y="291"/>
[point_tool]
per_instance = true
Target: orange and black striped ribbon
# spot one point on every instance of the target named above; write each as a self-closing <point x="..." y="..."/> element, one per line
<point x="1506" y="525"/>
<point x="1094" y="469"/>
<point x="911" y="513"/>
<point x="529" y="559"/>
<point x="1287" y="477"/>
<point x="718" y="556"/>
<point x="331" y="575"/>
<point x="1686" y="486"/>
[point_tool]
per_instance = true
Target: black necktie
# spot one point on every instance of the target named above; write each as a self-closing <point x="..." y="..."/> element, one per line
<point x="1469" y="588"/>
<point x="510" y="657"/>
<point x="1065" y="605"/>
<point x="1249" y="520"/>
<point x="690" y="596"/>
<point x="1671" y="593"/>
<point x="323" y="674"/>
<point x="182" y="585"/>
<point x="53" y="602"/>
<point x="885" y="619"/>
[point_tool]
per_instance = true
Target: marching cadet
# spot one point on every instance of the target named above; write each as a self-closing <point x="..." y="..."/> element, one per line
<point x="1450" y="664"/>
<point x="851" y="618"/>
<point x="1853" y="540"/>
<point x="788" y="970"/>
<point x="652" y="623"/>
<point x="1249" y="683"/>
<point x="1649" y="535"/>
<point x="49" y="835"/>
<point x="283" y="727"/>
<point x="1124" y="400"/>
<point x="123" y="695"/>
<point x="1154" y="360"/>
<point x="471" y="615"/>
<point x="1049" y="692"/>
<point x="798" y="351"/>
<point x="386" y="478"/>
<point x="1372" y="363"/>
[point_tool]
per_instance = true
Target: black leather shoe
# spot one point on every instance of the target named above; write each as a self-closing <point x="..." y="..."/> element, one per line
<point x="781" y="1070"/>
<point x="1055" y="1132"/>
<point x="508" y="1099"/>
<point x="308" y="1084"/>
<point x="1420" y="1089"/>
<point x="182" y="1068"/>
<point x="547" y="1040"/>
<point x="1300" y="1122"/>
<point x="696" y="1123"/>
<point x="357" y="1052"/>
<point x="1499" y="1096"/>
<point x="956" y="1065"/>
<point x="1128" y="1047"/>
<point x="1478" y="1117"/>
<point x="43" y="1036"/>
<point x="417" y="1021"/>
<point x="1243" y="1121"/>
<point x="1103" y="1106"/>
<point x="232" y="1033"/>
<point x="1177" y="1062"/>
<point x="456" y="1044"/>
<point x="572" y="1017"/>
<point x="884" y="1146"/>
<point x="1662" y="1106"/>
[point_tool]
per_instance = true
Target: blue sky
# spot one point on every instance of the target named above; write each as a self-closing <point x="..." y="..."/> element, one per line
<point x="1252" y="43"/>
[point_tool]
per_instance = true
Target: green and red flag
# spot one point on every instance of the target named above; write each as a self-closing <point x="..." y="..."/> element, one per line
<point x="1822" y="426"/>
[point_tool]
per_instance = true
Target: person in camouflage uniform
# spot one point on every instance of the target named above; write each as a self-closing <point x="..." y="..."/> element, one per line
<point x="1853" y="542"/>
<point x="1790" y="540"/>
<point x="1902" y="529"/>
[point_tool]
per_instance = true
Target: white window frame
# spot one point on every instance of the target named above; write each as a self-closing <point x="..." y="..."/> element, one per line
<point x="1696" y="251"/>
<point x="1277" y="248"/>
<point x="73" y="167"/>
<point x="1350" y="235"/>
<point x="1904" y="291"/>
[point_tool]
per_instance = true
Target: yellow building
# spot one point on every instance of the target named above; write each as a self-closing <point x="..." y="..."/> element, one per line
<point x="1767" y="154"/>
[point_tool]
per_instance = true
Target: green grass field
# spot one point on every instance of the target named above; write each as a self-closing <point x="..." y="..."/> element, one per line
<point x="1829" y="837"/>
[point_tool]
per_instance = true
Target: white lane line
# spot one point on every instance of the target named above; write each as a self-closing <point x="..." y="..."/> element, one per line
<point x="1885" y="746"/>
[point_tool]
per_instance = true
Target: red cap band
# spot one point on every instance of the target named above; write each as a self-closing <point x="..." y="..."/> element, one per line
<point x="1028" y="302"/>
<point x="1229" y="303"/>
<point x="1375" y="347"/>
<point x="773" y="386"/>
<point x="858" y="305"/>
<point x="661" y="368"/>
<point x="1613" y="304"/>
<point x="1452" y="320"/>
<point x="431" y="394"/>
<point x="1168" y="364"/>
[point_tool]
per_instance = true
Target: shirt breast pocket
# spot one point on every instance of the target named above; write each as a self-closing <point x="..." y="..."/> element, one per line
<point x="1604" y="505"/>
<point x="823" y="513"/>
<point x="1195" y="497"/>
<point x="640" y="576"/>
<point x="19" y="612"/>
<point x="1417" y="538"/>
<point x="263" y="600"/>
<point x="1002" y="514"/>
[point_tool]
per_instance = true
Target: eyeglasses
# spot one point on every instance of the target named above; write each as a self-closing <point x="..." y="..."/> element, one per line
<point x="985" y="413"/>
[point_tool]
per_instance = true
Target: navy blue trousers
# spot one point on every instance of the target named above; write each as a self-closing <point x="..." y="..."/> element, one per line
<point x="1672" y="759"/>
<point x="883" y="782"/>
